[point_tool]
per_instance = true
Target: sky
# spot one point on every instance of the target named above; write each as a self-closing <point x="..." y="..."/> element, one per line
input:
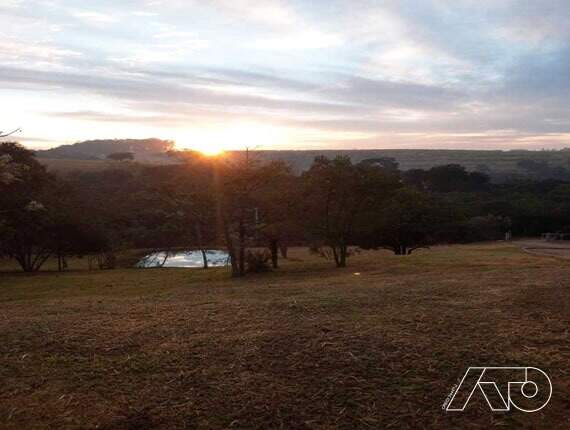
<point x="298" y="74"/>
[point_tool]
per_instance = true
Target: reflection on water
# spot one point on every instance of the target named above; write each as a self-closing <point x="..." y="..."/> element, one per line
<point x="189" y="259"/>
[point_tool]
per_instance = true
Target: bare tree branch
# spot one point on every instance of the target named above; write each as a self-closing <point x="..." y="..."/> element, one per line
<point x="2" y="134"/>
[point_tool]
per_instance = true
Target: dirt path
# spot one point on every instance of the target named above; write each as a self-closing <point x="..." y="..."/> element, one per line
<point x="560" y="249"/>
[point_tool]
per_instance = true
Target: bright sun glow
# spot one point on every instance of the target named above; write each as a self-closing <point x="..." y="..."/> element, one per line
<point x="215" y="139"/>
<point x="210" y="150"/>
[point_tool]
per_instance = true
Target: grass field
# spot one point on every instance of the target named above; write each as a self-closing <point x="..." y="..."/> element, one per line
<point x="377" y="345"/>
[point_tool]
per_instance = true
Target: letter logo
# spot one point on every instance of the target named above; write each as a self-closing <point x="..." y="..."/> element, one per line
<point x="528" y="389"/>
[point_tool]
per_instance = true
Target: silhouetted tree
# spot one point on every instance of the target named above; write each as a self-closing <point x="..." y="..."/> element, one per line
<point x="409" y="220"/>
<point x="24" y="220"/>
<point x="335" y="194"/>
<point x="238" y="184"/>
<point x="9" y="171"/>
<point x="277" y="225"/>
<point x="447" y="178"/>
<point x="69" y="238"/>
<point x="417" y="178"/>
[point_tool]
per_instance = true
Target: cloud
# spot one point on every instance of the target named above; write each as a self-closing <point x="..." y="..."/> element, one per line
<point x="269" y="12"/>
<point x="368" y="71"/>
<point x="375" y="92"/>
<point x="300" y="41"/>
<point x="103" y="116"/>
<point x="14" y="51"/>
<point x="96" y="18"/>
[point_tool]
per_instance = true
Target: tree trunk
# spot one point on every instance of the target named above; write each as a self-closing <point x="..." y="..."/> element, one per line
<point x="23" y="262"/>
<point x="343" y="252"/>
<point x="235" y="264"/>
<point x="231" y="251"/>
<point x="200" y="244"/>
<point x="241" y="249"/>
<point x="339" y="255"/>
<point x="28" y="262"/>
<point x="274" y="248"/>
<point x="233" y="260"/>
<point x="335" y="255"/>
<point x="61" y="263"/>
<point x="166" y="255"/>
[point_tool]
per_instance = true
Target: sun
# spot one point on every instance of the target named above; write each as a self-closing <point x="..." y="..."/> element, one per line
<point x="215" y="139"/>
<point x="207" y="147"/>
<point x="211" y="151"/>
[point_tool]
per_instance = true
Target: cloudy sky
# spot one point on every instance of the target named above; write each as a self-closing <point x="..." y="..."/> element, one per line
<point x="288" y="74"/>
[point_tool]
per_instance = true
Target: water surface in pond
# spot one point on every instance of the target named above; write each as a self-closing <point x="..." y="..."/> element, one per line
<point x="188" y="259"/>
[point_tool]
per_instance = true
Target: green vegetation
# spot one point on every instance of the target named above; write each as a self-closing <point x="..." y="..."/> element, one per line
<point x="256" y="209"/>
<point x="502" y="166"/>
<point x="100" y="149"/>
<point x="376" y="345"/>
<point x="499" y="163"/>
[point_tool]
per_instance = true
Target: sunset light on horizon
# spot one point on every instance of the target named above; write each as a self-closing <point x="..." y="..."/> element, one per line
<point x="222" y="75"/>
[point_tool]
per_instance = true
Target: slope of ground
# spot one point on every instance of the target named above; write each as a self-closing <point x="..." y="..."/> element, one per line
<point x="99" y="149"/>
<point x="377" y="345"/>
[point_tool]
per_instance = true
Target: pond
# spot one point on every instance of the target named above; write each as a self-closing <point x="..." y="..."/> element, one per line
<point x="187" y="259"/>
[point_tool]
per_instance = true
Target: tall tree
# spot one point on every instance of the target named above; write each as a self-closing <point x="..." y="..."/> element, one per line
<point x="235" y="183"/>
<point x="335" y="194"/>
<point x="447" y="178"/>
<point x="277" y="226"/>
<point x="24" y="220"/>
<point x="407" y="221"/>
<point x="239" y="185"/>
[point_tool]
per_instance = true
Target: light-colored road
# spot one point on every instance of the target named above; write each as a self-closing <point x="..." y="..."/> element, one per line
<point x="559" y="248"/>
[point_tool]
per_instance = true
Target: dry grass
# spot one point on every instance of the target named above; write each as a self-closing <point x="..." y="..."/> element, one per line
<point x="308" y="346"/>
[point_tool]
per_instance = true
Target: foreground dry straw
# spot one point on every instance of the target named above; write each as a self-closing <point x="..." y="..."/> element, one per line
<point x="309" y="346"/>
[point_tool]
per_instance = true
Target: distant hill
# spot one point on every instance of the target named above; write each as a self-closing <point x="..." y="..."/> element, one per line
<point x="426" y="158"/>
<point x="145" y="150"/>
<point x="500" y="165"/>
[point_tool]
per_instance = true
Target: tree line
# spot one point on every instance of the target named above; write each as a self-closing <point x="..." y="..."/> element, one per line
<point x="256" y="210"/>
